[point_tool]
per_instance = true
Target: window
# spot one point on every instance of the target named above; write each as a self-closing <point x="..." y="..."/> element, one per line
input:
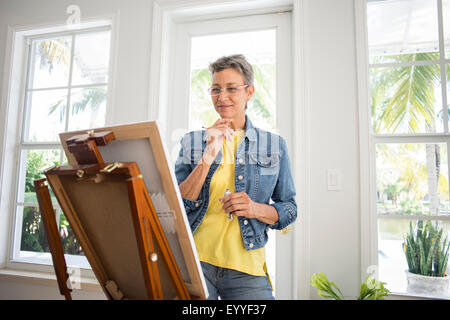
<point x="409" y="75"/>
<point x="65" y="90"/>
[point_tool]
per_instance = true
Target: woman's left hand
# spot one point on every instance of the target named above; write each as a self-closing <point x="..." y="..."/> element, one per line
<point x="239" y="204"/>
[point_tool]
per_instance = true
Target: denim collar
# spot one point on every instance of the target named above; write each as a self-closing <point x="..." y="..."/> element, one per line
<point x="250" y="131"/>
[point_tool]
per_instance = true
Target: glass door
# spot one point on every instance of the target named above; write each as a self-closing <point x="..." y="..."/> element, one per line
<point x="265" y="42"/>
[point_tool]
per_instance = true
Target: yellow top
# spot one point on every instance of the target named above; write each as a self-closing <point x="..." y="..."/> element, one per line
<point x="218" y="240"/>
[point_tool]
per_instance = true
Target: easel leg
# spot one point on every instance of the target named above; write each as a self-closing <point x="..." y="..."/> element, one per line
<point x="54" y="241"/>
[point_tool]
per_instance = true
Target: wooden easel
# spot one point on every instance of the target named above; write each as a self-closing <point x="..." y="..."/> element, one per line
<point x="93" y="177"/>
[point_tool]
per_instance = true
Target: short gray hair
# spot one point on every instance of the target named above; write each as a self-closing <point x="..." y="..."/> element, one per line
<point x="236" y="61"/>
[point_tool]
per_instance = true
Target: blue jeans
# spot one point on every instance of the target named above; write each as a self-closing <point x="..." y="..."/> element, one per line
<point x="230" y="284"/>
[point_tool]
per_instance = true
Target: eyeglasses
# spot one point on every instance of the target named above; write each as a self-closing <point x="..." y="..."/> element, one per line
<point x="216" y="91"/>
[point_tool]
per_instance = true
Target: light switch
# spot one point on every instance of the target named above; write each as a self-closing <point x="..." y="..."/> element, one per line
<point x="334" y="179"/>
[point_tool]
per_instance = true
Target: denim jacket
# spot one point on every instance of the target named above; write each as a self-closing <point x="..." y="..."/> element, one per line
<point x="262" y="170"/>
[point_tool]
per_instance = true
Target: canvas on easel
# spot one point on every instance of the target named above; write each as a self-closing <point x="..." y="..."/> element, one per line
<point x="110" y="205"/>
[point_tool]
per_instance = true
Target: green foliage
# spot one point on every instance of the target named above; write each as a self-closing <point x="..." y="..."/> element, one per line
<point x="263" y="97"/>
<point x="425" y="253"/>
<point x="68" y="239"/>
<point x="90" y="97"/>
<point x="36" y="161"/>
<point x="410" y="207"/>
<point x="325" y="287"/>
<point x="370" y="289"/>
<point x="403" y="97"/>
<point x="203" y="108"/>
<point x="33" y="232"/>
<point x="53" y="52"/>
<point x="34" y="237"/>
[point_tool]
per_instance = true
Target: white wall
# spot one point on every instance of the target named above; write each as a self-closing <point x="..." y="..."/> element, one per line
<point x="331" y="80"/>
<point x="331" y="69"/>
<point x="13" y="288"/>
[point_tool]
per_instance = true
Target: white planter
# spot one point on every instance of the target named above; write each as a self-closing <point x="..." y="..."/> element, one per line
<point x="432" y="286"/>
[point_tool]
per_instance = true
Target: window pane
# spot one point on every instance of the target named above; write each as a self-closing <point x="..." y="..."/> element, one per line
<point x="406" y="99"/>
<point x="91" y="58"/>
<point x="405" y="180"/>
<point x="65" y="162"/>
<point x="259" y="47"/>
<point x="31" y="164"/>
<point x="33" y="232"/>
<point x="46" y="115"/>
<point x="88" y="108"/>
<point x="446" y="16"/>
<point x="69" y="241"/>
<point x="50" y="62"/>
<point x="391" y="256"/>
<point x="399" y="30"/>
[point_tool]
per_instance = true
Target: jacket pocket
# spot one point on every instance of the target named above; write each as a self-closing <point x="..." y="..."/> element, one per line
<point x="268" y="165"/>
<point x="266" y="174"/>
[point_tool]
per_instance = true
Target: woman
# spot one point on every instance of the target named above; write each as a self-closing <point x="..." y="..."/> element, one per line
<point x="230" y="231"/>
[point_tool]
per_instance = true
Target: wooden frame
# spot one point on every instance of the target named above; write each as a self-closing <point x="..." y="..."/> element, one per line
<point x="144" y="137"/>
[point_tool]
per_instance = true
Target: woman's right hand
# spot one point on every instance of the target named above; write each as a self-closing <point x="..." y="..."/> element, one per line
<point x="214" y="138"/>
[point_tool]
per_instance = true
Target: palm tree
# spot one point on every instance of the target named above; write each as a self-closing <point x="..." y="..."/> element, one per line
<point x="90" y="97"/>
<point x="403" y="101"/>
<point x="403" y="98"/>
<point x="393" y="191"/>
<point x="53" y="52"/>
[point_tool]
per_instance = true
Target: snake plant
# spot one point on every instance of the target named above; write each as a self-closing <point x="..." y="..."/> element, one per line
<point x="425" y="251"/>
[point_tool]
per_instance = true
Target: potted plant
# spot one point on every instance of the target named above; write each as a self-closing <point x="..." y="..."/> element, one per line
<point x="370" y="289"/>
<point x="427" y="257"/>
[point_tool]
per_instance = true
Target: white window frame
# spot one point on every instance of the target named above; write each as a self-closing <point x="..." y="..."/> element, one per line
<point x="165" y="18"/>
<point x="12" y="119"/>
<point x="369" y="140"/>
